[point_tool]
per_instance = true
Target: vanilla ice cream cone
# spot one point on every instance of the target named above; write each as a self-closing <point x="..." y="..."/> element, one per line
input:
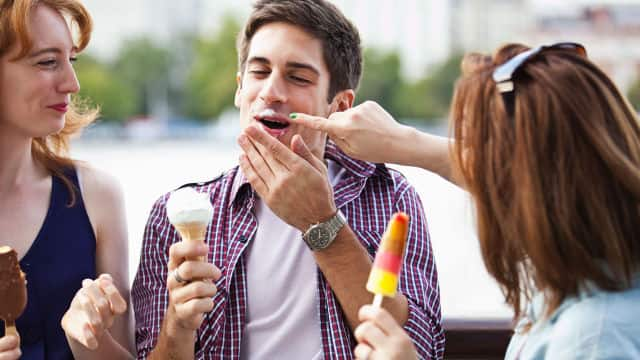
<point x="190" y="213"/>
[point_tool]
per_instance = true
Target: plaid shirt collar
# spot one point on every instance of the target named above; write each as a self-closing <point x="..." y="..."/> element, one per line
<point x="241" y="190"/>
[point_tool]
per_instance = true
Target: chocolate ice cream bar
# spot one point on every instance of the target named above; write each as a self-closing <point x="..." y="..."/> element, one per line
<point x="13" y="289"/>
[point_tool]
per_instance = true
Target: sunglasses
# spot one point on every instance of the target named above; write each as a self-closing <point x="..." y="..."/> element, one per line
<point x="503" y="74"/>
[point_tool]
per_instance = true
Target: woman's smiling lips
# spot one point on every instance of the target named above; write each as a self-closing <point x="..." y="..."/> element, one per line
<point x="61" y="107"/>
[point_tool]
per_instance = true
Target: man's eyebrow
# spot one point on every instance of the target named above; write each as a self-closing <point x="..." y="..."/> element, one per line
<point x="303" y="66"/>
<point x="290" y="64"/>
<point x="260" y="60"/>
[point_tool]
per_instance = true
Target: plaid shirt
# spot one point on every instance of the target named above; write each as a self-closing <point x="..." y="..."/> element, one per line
<point x="368" y="195"/>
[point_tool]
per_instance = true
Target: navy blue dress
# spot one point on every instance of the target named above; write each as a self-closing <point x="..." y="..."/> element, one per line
<point x="62" y="255"/>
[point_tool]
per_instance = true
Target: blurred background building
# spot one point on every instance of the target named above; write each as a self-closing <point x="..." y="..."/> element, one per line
<point x="609" y="30"/>
<point x="153" y="64"/>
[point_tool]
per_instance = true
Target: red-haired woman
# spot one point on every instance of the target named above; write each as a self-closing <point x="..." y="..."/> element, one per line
<point x="64" y="218"/>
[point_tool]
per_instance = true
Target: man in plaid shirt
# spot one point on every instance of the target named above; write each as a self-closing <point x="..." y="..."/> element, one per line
<point x="295" y="226"/>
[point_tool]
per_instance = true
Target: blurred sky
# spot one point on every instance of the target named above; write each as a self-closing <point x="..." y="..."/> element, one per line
<point x="419" y="29"/>
<point x="118" y="19"/>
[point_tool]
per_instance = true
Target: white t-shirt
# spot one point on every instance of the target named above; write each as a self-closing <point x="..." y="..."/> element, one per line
<point x="282" y="311"/>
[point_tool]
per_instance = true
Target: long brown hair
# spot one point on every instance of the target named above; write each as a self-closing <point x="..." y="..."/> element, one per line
<point x="51" y="151"/>
<point x="556" y="185"/>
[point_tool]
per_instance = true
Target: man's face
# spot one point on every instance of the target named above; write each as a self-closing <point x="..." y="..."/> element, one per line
<point x="285" y="72"/>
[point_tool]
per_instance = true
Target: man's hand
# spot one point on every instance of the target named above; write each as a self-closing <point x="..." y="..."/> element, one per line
<point x="191" y="289"/>
<point x="292" y="182"/>
<point x="92" y="311"/>
<point x="189" y="300"/>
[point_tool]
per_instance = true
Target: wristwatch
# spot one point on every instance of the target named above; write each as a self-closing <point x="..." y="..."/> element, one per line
<point x="321" y="235"/>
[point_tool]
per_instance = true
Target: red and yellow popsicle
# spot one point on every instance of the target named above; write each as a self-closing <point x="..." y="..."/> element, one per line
<point x="383" y="279"/>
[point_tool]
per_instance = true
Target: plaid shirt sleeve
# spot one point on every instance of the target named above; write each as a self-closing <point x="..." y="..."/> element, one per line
<point x="149" y="290"/>
<point x="419" y="280"/>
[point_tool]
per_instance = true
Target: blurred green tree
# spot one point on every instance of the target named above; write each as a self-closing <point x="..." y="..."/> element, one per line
<point x="144" y="67"/>
<point x="634" y="95"/>
<point x="211" y="83"/>
<point x="381" y="78"/>
<point x="429" y="98"/>
<point x="426" y="99"/>
<point x="99" y="87"/>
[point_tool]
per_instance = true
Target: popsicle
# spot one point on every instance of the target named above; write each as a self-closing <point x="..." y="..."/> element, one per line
<point x="383" y="279"/>
<point x="190" y="213"/>
<point x="13" y="290"/>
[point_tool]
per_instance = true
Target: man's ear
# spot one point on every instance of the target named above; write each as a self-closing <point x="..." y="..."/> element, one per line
<point x="236" y="99"/>
<point x="343" y="100"/>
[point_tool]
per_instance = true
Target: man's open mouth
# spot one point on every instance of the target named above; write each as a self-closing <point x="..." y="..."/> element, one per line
<point x="273" y="124"/>
<point x="273" y="121"/>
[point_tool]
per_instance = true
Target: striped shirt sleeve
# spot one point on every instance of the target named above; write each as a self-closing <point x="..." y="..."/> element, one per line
<point x="419" y="279"/>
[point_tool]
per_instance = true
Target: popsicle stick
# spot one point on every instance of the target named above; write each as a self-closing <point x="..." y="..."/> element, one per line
<point x="377" y="300"/>
<point x="11" y="330"/>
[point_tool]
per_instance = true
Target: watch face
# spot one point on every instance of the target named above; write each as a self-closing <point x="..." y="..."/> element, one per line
<point x="319" y="237"/>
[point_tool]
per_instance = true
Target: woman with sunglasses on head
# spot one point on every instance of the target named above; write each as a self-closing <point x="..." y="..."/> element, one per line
<point x="550" y="152"/>
<point x="64" y="218"/>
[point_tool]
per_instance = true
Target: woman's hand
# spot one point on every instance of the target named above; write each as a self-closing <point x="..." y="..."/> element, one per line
<point x="92" y="311"/>
<point x="10" y="348"/>
<point x="380" y="337"/>
<point x="366" y="132"/>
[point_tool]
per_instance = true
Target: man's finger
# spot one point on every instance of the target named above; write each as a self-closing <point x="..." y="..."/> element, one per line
<point x="362" y="351"/>
<point x="270" y="149"/>
<point x="194" y="290"/>
<point x="300" y="147"/>
<point x="274" y="147"/>
<point x="313" y="122"/>
<point x="254" y="178"/>
<point x="193" y="311"/>
<point x="182" y="250"/>
<point x="256" y="158"/>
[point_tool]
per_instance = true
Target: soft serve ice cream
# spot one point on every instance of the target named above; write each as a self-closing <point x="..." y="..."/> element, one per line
<point x="190" y="213"/>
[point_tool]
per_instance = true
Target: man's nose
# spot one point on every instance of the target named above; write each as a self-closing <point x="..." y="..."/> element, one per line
<point x="273" y="89"/>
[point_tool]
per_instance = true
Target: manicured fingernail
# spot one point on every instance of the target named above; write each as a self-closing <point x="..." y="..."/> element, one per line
<point x="293" y="115"/>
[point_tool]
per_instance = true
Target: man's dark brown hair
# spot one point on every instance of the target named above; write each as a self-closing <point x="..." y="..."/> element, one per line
<point x="340" y="39"/>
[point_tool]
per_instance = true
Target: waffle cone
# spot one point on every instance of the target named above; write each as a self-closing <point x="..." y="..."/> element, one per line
<point x="195" y="231"/>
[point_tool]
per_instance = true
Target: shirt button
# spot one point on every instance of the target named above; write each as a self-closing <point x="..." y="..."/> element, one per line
<point x="243" y="239"/>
